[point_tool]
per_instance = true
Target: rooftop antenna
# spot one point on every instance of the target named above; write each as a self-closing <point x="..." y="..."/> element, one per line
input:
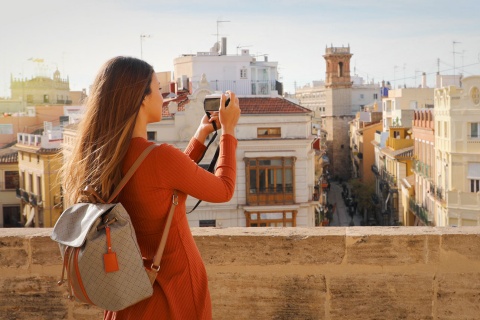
<point x="218" y="22"/>
<point x="239" y="47"/>
<point x="143" y="36"/>
<point x="453" y="52"/>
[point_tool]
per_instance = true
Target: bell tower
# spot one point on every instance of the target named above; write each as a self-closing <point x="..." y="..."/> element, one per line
<point x="338" y="67"/>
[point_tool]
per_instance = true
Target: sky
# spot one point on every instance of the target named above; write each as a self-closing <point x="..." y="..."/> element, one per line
<point x="390" y="40"/>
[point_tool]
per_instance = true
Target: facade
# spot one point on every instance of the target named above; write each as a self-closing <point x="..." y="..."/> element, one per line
<point x="32" y="120"/>
<point x="362" y="132"/>
<point x="39" y="159"/>
<point x="41" y="90"/>
<point x="393" y="162"/>
<point x="275" y="162"/>
<point x="422" y="205"/>
<point x="457" y="154"/>
<point x="9" y="183"/>
<point x="243" y="74"/>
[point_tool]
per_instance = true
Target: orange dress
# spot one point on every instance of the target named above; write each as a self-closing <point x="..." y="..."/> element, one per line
<point x="181" y="287"/>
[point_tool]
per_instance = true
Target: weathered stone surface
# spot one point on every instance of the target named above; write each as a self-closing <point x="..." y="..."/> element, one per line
<point x="31" y="297"/>
<point x="13" y="252"/>
<point x="271" y="246"/>
<point x="458" y="296"/>
<point x="43" y="252"/>
<point x="384" y="296"/>
<point x="467" y="245"/>
<point x="393" y="250"/>
<point x="86" y="312"/>
<point x="267" y="296"/>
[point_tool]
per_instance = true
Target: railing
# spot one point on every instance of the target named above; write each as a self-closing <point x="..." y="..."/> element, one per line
<point x="420" y="211"/>
<point x="439" y="193"/>
<point x="421" y="168"/>
<point x="397" y="144"/>
<point x="241" y="87"/>
<point x="375" y="169"/>
<point x="391" y="179"/>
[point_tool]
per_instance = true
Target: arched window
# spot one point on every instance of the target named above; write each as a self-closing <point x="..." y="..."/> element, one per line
<point x="340" y="69"/>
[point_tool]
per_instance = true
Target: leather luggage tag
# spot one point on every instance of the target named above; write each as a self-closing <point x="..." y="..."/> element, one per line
<point x="110" y="258"/>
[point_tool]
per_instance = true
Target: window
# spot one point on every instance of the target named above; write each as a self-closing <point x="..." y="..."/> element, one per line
<point x="269" y="132"/>
<point x="475" y="185"/>
<point x="361" y="96"/>
<point x="12" y="180"/>
<point x="270" y="180"/>
<point x="340" y="69"/>
<point x="151" y="135"/>
<point x="11" y="217"/>
<point x="30" y="180"/>
<point x="243" y="73"/>
<point x="474" y="130"/>
<point x="46" y="99"/>
<point x="29" y="98"/>
<point x="208" y="223"/>
<point x="375" y="96"/>
<point x="271" y="219"/>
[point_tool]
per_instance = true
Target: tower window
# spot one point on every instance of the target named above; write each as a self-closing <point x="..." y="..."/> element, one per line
<point x="340" y="69"/>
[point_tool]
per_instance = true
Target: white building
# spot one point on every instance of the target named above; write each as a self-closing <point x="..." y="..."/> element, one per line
<point x="275" y="162"/>
<point x="243" y="73"/>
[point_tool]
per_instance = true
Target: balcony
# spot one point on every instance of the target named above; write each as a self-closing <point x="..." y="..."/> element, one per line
<point x="320" y="273"/>
<point x="241" y="87"/>
<point x="420" y="211"/>
<point x="422" y="169"/>
<point x="388" y="177"/>
<point x="375" y="170"/>
<point x="397" y="144"/>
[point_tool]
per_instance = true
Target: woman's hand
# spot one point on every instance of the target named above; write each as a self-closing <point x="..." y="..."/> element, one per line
<point x="206" y="126"/>
<point x="229" y="115"/>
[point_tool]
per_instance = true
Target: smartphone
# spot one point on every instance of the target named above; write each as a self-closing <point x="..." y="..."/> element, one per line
<point x="212" y="103"/>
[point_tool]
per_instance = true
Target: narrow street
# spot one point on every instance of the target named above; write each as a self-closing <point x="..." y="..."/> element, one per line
<point x="340" y="216"/>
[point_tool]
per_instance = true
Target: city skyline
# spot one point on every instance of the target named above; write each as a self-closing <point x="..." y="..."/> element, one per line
<point x="391" y="41"/>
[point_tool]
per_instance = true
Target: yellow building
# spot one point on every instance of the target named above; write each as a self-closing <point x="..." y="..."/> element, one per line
<point x="457" y="154"/>
<point x="9" y="182"/>
<point x="39" y="159"/>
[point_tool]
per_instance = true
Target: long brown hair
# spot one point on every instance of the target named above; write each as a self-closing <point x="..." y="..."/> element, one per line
<point x="106" y="128"/>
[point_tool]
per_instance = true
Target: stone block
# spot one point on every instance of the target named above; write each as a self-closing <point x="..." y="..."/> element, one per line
<point x="45" y="251"/>
<point x="392" y="249"/>
<point x="381" y="296"/>
<point x="32" y="297"/>
<point x="271" y="247"/>
<point x="458" y="296"/>
<point x="256" y="295"/>
<point x="467" y="245"/>
<point x="13" y="252"/>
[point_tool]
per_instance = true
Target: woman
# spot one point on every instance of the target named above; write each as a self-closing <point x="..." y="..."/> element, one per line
<point x="126" y="97"/>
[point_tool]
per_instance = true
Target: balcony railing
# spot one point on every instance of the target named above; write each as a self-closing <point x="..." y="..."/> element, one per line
<point x="422" y="169"/>
<point x="241" y="87"/>
<point x="375" y="170"/>
<point x="391" y="179"/>
<point x="420" y="211"/>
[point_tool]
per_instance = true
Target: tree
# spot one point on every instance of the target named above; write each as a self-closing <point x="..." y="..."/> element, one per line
<point x="363" y="196"/>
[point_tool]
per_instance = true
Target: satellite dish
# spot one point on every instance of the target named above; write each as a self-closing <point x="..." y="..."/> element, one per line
<point x="215" y="48"/>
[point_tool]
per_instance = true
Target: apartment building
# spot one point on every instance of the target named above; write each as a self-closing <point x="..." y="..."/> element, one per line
<point x="275" y="161"/>
<point x="9" y="183"/>
<point x="39" y="159"/>
<point x="457" y="154"/>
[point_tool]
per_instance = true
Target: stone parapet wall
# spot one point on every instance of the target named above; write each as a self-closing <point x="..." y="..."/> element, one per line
<point x="284" y="273"/>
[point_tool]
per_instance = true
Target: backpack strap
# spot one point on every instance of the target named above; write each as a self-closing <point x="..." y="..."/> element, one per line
<point x="130" y="172"/>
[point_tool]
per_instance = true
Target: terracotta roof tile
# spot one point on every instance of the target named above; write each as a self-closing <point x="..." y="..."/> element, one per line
<point x="263" y="105"/>
<point x="9" y="158"/>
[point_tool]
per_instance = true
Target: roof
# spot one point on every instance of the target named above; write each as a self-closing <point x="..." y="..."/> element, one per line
<point x="9" y="158"/>
<point x="267" y="105"/>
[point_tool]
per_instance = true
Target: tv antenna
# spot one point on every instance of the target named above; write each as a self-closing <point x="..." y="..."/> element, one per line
<point x="453" y="52"/>
<point x="143" y="36"/>
<point x="218" y="23"/>
<point x="239" y="47"/>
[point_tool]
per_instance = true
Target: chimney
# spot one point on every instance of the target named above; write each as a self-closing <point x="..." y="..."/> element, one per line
<point x="424" y="80"/>
<point x="224" y="46"/>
